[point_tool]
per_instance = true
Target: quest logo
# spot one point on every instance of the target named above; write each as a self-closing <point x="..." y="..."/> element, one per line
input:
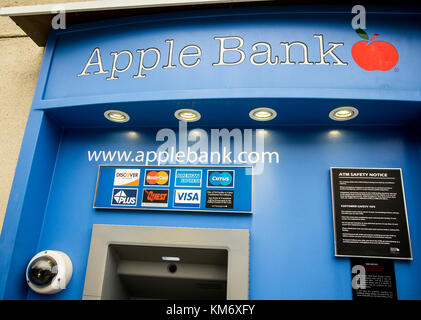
<point x="221" y="179"/>
<point x="155" y="198"/>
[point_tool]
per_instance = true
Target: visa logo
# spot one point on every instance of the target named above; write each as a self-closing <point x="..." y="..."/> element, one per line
<point x="187" y="198"/>
<point x="184" y="196"/>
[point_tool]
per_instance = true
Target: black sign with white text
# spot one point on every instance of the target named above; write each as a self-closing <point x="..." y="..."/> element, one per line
<point x="373" y="279"/>
<point x="369" y="213"/>
<point x="219" y="199"/>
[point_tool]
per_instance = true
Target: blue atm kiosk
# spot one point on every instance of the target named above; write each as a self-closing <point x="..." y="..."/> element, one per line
<point x="111" y="94"/>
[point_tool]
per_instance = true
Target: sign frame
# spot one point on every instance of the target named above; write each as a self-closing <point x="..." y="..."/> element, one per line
<point x="334" y="217"/>
<point x="212" y="167"/>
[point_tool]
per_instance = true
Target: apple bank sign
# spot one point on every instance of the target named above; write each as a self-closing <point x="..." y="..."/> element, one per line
<point x="231" y="51"/>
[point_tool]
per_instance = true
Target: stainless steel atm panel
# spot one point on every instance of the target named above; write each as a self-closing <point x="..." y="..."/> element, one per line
<point x="133" y="262"/>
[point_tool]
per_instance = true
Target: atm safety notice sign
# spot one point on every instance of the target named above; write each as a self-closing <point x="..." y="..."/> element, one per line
<point x="369" y="213"/>
<point x="175" y="188"/>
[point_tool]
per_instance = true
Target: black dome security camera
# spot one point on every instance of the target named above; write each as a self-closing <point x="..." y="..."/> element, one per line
<point x="49" y="272"/>
<point x="42" y="271"/>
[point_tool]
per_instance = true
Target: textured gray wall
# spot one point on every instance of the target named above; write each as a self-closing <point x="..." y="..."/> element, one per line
<point x="20" y="62"/>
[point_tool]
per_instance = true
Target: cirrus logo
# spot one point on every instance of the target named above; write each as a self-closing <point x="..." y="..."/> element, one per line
<point x="224" y="179"/>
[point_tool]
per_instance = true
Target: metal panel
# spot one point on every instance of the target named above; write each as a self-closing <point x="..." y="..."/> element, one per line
<point x="236" y="241"/>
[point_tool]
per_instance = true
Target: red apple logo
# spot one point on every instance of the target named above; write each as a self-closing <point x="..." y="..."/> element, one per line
<point x="374" y="55"/>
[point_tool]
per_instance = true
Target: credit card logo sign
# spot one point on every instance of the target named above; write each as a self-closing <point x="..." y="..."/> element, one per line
<point x="187" y="198"/>
<point x="221" y="179"/>
<point x="126" y="177"/>
<point x="188" y="178"/>
<point x="124" y="197"/>
<point x="157" y="178"/>
<point x="155" y="198"/>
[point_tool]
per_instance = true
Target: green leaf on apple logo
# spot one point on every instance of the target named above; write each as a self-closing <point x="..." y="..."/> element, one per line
<point x="362" y="34"/>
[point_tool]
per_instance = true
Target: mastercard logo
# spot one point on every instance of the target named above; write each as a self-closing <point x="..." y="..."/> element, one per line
<point x="158" y="178"/>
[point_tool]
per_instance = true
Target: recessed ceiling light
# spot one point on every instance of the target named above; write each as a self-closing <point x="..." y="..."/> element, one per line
<point x="188" y="115"/>
<point x="262" y="114"/>
<point x="343" y="113"/>
<point x="116" y="116"/>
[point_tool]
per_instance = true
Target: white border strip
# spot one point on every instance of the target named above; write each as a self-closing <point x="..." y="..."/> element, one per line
<point x="107" y="5"/>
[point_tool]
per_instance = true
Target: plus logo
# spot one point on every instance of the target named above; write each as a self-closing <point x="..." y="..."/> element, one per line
<point x="124" y="197"/>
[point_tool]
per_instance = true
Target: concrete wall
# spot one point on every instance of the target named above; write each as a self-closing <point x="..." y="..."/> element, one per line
<point x="20" y="62"/>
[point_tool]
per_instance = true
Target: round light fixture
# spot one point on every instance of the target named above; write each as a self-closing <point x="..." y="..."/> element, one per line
<point x="188" y="115"/>
<point x="116" y="116"/>
<point x="343" y="113"/>
<point x="262" y="114"/>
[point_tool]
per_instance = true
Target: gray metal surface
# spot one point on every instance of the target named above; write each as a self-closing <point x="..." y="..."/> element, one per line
<point x="125" y="262"/>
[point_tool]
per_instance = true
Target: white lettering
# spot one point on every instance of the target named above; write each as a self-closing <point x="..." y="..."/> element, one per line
<point x="223" y="50"/>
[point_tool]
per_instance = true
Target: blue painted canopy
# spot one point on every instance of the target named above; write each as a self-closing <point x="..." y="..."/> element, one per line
<point x="297" y="61"/>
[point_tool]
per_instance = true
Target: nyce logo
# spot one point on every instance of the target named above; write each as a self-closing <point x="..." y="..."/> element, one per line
<point x="187" y="198"/>
<point x="124" y="197"/>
